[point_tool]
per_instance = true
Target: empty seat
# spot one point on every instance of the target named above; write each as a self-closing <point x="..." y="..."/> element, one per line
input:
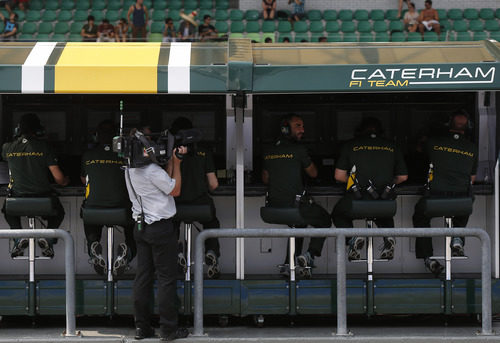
<point x="29" y="28"/>
<point x="460" y="25"/>
<point x="395" y="26"/>
<point x="330" y="15"/>
<point x="392" y="15"/>
<point x="37" y="5"/>
<point x="236" y="15"/>
<point x="221" y="15"/>
<point x="455" y="14"/>
<point x="49" y="15"/>
<point x="376" y="15"/>
<point x="159" y="5"/>
<point x="98" y="16"/>
<point x="174" y="5"/>
<point x="252" y="27"/>
<point x="76" y="27"/>
<point x="237" y="27"/>
<point x="314" y="15"/>
<point x="430" y="36"/>
<point x="334" y="37"/>
<point x="25" y="37"/>
<point x="80" y="15"/>
<point x="495" y="35"/>
<point x="284" y="27"/>
<point x="113" y="15"/>
<point x="82" y="5"/>
<point x="206" y="4"/>
<point x="476" y="25"/>
<point x="254" y="36"/>
<point x="155" y="37"/>
<point x="300" y="26"/>
<point x="222" y="4"/>
<point x="73" y="37"/>
<point x="33" y="15"/>
<point x="379" y="26"/>
<point x="268" y="26"/>
<point x="486" y="13"/>
<point x="332" y="26"/>
<point x="174" y="14"/>
<point x="442" y="14"/>
<point x="282" y="38"/>
<point x="345" y="15"/>
<point x="98" y="5"/>
<point x="116" y="5"/>
<point x="58" y="37"/>
<point x="191" y="4"/>
<point x="349" y="37"/>
<point x="158" y="15"/>
<point x="364" y="26"/>
<point x="61" y="28"/>
<point x="398" y="37"/>
<point x="480" y="36"/>
<point x="382" y="37"/>
<point x="302" y="36"/>
<point x="157" y="27"/>
<point x="316" y="26"/>
<point x="497" y="13"/>
<point x="221" y="26"/>
<point x="445" y="25"/>
<point x="236" y="35"/>
<point x="51" y="5"/>
<point x="43" y="37"/>
<point x="414" y="37"/>
<point x="471" y="14"/>
<point x="315" y="36"/>
<point x="64" y="15"/>
<point x="463" y="36"/>
<point x="491" y="25"/>
<point x="45" y="28"/>
<point x="348" y="26"/>
<point x="365" y="37"/>
<point x="361" y="15"/>
<point x="252" y="15"/>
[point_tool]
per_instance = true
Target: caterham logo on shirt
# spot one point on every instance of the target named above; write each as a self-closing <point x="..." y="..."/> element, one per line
<point x="278" y="156"/>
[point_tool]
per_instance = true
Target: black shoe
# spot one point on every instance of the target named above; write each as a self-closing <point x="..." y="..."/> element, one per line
<point x="212" y="262"/>
<point x="434" y="266"/>
<point x="457" y="247"/>
<point x="96" y="259"/>
<point x="141" y="333"/>
<point x="46" y="247"/>
<point x="19" y="247"/>
<point x="179" y="333"/>
<point x="355" y="245"/>
<point x="388" y="249"/>
<point x="121" y="263"/>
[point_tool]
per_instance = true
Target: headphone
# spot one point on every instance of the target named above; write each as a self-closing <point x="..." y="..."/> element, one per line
<point x="39" y="132"/>
<point x="460" y="112"/>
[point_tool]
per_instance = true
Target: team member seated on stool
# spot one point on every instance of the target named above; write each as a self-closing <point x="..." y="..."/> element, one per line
<point x="105" y="187"/>
<point x="31" y="161"/>
<point x="284" y="164"/>
<point x="453" y="161"/>
<point x="198" y="178"/>
<point x="370" y="165"/>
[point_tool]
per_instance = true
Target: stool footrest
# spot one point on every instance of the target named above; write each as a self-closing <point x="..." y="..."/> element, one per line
<point x="27" y="258"/>
<point x="365" y="260"/>
<point x="453" y="257"/>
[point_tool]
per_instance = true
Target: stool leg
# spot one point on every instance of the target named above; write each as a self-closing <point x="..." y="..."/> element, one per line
<point x="31" y="283"/>
<point x="449" y="224"/>
<point x="187" y="235"/>
<point x="370" y="301"/>
<point x="292" y="258"/>
<point x="110" y="253"/>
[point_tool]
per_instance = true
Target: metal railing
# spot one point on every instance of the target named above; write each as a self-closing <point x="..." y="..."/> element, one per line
<point x="69" y="265"/>
<point x="341" y="234"/>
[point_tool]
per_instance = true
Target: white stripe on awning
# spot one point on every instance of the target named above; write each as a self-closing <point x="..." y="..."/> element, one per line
<point x="179" y="63"/>
<point x="33" y="67"/>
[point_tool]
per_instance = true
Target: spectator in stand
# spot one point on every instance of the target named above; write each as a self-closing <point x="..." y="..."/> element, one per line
<point x="169" y="33"/>
<point x="121" y="30"/>
<point x="105" y="32"/>
<point x="286" y="40"/>
<point x="268" y="40"/>
<point x="89" y="30"/>
<point x="139" y="14"/>
<point x="268" y="9"/>
<point x="207" y="31"/>
<point x="187" y="28"/>
<point x="10" y="27"/>
<point x="22" y="4"/>
<point x="299" y="11"/>
<point x="322" y="39"/>
<point x="411" y="18"/>
<point x="429" y="19"/>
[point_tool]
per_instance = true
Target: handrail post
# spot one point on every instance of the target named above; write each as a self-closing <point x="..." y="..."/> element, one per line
<point x="198" y="284"/>
<point x="341" y="288"/>
<point x="486" y="320"/>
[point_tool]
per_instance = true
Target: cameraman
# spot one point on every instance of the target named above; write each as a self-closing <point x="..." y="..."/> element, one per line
<point x="151" y="190"/>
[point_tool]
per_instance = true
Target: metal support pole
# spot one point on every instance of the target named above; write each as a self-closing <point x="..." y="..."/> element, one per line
<point x="31" y="282"/>
<point x="187" y="235"/>
<point x="291" y="258"/>
<point x="240" y="189"/>
<point x="369" y="264"/>
<point x="110" y="253"/>
<point x="447" y="249"/>
<point x="341" y="287"/>
<point x="497" y="219"/>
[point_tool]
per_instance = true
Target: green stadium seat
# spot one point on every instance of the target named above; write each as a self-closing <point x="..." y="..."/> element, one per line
<point x="365" y="37"/>
<point x="159" y="5"/>
<point x="174" y="14"/>
<point x="236" y="15"/>
<point x="80" y="15"/>
<point x="43" y="37"/>
<point x="25" y="37"/>
<point x="376" y="15"/>
<point x="252" y="15"/>
<point x="190" y="10"/>
<point x="113" y="15"/>
<point x="497" y="13"/>
<point x="445" y="25"/>
<point x="98" y="5"/>
<point x="61" y="28"/>
<point x="76" y="27"/>
<point x="442" y="14"/>
<point x="157" y="27"/>
<point x="268" y="26"/>
<point x="330" y="15"/>
<point x="221" y="26"/>
<point x="315" y="36"/>
<point x="395" y="26"/>
<point x="148" y="4"/>
<point x="252" y="27"/>
<point x="116" y="5"/>
<point x="64" y="15"/>
<point x="127" y="4"/>
<point x="300" y="26"/>
<point x="495" y="35"/>
<point x="334" y="37"/>
<point x="332" y="26"/>
<point x="491" y="25"/>
<point x="347" y="26"/>
<point x="463" y="36"/>
<point x="345" y="15"/>
<point x="414" y="37"/>
<point x="206" y="5"/>
<point x="349" y="37"/>
<point x="203" y="13"/>
<point x="254" y="36"/>
<point x="45" y="28"/>
<point x="361" y="15"/>
<point x="158" y="15"/>
<point x="52" y="5"/>
<point x="455" y="14"/>
<point x="380" y="26"/>
<point x="284" y="27"/>
<point x="314" y="15"/>
<point x="316" y="26"/>
<point x="476" y="25"/>
<point x="58" y="37"/>
<point x="221" y="15"/>
<point x="299" y="37"/>
<point x="460" y="25"/>
<point x="480" y="36"/>
<point x="398" y="37"/>
<point x="237" y="27"/>
<point x="286" y="14"/>
<point x="221" y="5"/>
<point x="33" y="15"/>
<point x="471" y="14"/>
<point x="268" y="35"/>
<point x="236" y="35"/>
<point x="430" y="36"/>
<point x="21" y="15"/>
<point x="174" y="5"/>
<point x="155" y="37"/>
<point x="82" y="5"/>
<point x="67" y="5"/>
<point x="364" y="26"/>
<point x="282" y="37"/>
<point x="49" y="15"/>
<point x="29" y="28"/>
<point x="486" y="14"/>
<point x="37" y="5"/>
<point x="73" y="37"/>
<point x="190" y="4"/>
<point x="98" y="16"/>
<point x="382" y="37"/>
<point x="392" y="15"/>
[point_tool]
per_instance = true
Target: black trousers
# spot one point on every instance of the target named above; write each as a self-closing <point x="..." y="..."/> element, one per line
<point x="342" y="219"/>
<point x="53" y="222"/>
<point x="93" y="233"/>
<point x="423" y="245"/>
<point x="156" y="252"/>
<point x="211" y="243"/>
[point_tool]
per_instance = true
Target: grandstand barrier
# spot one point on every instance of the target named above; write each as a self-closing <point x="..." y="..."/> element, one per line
<point x="69" y="266"/>
<point x="341" y="234"/>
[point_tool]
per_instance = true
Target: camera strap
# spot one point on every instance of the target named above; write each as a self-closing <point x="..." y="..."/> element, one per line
<point x="141" y="218"/>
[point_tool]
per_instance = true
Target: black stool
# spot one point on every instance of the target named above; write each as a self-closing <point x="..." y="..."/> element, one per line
<point x="109" y="217"/>
<point x="447" y="208"/>
<point x="31" y="208"/>
<point x="188" y="214"/>
<point x="285" y="216"/>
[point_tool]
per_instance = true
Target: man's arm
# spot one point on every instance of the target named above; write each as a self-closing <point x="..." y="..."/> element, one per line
<point x="58" y="175"/>
<point x="176" y="175"/>
<point x="213" y="183"/>
<point x="146" y="12"/>
<point x="341" y="175"/>
<point x="2" y="17"/>
<point x="311" y="171"/>
<point x="11" y="33"/>
<point x="265" y="176"/>
<point x="472" y="179"/>
<point x="129" y="13"/>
